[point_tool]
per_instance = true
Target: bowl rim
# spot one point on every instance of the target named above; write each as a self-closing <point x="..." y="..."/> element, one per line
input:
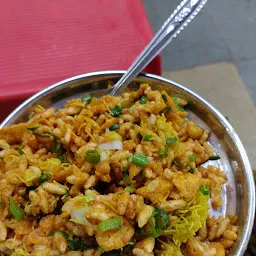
<point x="245" y="160"/>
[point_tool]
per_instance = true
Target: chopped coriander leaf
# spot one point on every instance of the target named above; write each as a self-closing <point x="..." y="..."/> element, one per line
<point x="192" y="158"/>
<point x="139" y="160"/>
<point x="127" y="103"/>
<point x="16" y="211"/>
<point x="63" y="233"/>
<point x="165" y="110"/>
<point x="114" y="127"/>
<point x="175" y="100"/>
<point x="116" y="111"/>
<point x="163" y="153"/>
<point x="87" y="98"/>
<point x="214" y="157"/>
<point x="92" y="156"/>
<point x="147" y="137"/>
<point x="164" y="97"/>
<point x="171" y="140"/>
<point x="44" y="177"/>
<point x="76" y="245"/>
<point x="33" y="127"/>
<point x="143" y="100"/>
<point x="192" y="170"/>
<point x="20" y="151"/>
<point x="130" y="189"/>
<point x="62" y="158"/>
<point x="205" y="190"/>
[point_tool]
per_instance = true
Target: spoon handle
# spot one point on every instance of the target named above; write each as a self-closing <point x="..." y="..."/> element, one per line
<point x="179" y="19"/>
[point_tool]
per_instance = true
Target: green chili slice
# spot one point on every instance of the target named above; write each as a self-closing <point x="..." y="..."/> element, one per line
<point x="139" y="160"/>
<point x="205" y="190"/>
<point x="214" y="157"/>
<point x="110" y="224"/>
<point x="92" y="156"/>
<point x="63" y="233"/>
<point x="87" y="98"/>
<point x="143" y="100"/>
<point x="171" y="140"/>
<point x="16" y="211"/>
<point x="116" y="111"/>
<point x="147" y="137"/>
<point x="114" y="127"/>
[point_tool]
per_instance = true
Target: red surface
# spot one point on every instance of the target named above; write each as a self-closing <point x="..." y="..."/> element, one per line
<point x="43" y="42"/>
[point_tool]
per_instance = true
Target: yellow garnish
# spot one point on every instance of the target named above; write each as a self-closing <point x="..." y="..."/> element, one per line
<point x="111" y="136"/>
<point x="49" y="163"/>
<point x="92" y="123"/>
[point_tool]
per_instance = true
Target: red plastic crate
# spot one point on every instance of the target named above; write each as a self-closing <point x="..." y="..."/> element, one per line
<point x="43" y="42"/>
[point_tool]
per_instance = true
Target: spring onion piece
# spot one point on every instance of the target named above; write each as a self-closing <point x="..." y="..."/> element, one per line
<point x="205" y="190"/>
<point x="175" y="100"/>
<point x="87" y="98"/>
<point x="130" y="189"/>
<point x="63" y="233"/>
<point x="44" y="177"/>
<point x="147" y="137"/>
<point x="126" y="178"/>
<point x="171" y="140"/>
<point x="143" y="100"/>
<point x="165" y="110"/>
<point x="92" y="156"/>
<point x="112" y="145"/>
<point x="192" y="158"/>
<point x="114" y="127"/>
<point x="116" y="111"/>
<point x="62" y="158"/>
<point x="139" y="160"/>
<point x="110" y="224"/>
<point x="164" y="97"/>
<point x="163" y="153"/>
<point x="214" y="157"/>
<point x="20" y="151"/>
<point x="16" y="211"/>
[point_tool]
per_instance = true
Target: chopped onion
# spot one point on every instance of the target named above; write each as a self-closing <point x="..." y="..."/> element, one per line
<point x="103" y="155"/>
<point x="107" y="130"/>
<point x="39" y="247"/>
<point x="78" y="216"/>
<point x="152" y="119"/>
<point x="116" y="144"/>
<point x="150" y="158"/>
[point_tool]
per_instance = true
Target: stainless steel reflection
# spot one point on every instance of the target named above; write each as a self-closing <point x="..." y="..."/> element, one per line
<point x="239" y="192"/>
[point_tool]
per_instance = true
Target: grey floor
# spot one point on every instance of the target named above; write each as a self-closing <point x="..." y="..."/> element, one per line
<point x="224" y="31"/>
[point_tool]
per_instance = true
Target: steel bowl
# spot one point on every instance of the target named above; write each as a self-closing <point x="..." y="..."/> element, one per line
<point x="238" y="194"/>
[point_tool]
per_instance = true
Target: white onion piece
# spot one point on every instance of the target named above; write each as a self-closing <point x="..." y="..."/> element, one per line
<point x="107" y="130"/>
<point x="152" y="119"/>
<point x="150" y="158"/>
<point x="39" y="247"/>
<point x="116" y="144"/>
<point x="78" y="216"/>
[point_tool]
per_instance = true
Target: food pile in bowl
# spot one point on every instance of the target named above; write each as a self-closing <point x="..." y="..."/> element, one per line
<point x="111" y="176"/>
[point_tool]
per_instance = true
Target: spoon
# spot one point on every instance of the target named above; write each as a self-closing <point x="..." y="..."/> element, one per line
<point x="178" y="20"/>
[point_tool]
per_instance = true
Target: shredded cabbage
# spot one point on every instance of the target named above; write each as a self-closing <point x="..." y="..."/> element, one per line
<point x="187" y="221"/>
<point x="168" y="249"/>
